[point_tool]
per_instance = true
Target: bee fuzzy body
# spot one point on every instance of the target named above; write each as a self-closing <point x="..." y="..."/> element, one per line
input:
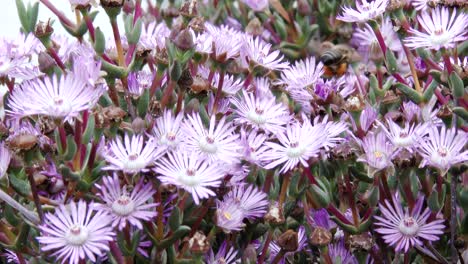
<point x="335" y="63"/>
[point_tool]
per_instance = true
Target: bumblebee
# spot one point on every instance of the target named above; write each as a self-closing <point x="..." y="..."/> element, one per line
<point x="336" y="58"/>
<point x="335" y="63"/>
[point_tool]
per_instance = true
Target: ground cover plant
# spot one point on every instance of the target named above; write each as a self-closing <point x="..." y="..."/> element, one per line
<point x="250" y="131"/>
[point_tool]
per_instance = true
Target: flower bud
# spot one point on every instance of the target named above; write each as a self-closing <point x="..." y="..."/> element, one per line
<point x="186" y="80"/>
<point x="320" y="237"/>
<point x="254" y="27"/>
<point x="138" y="125"/>
<point x="184" y="40"/>
<point x="46" y="62"/>
<point x="288" y="241"/>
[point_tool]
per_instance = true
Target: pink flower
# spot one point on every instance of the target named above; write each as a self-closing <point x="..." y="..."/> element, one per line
<point x="124" y="206"/>
<point x="76" y="231"/>
<point x="191" y="173"/>
<point x="256" y="5"/>
<point x="405" y="229"/>
<point x="441" y="29"/>
<point x="364" y="11"/>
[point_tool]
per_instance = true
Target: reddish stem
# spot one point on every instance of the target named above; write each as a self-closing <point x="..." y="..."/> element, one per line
<point x="59" y="14"/>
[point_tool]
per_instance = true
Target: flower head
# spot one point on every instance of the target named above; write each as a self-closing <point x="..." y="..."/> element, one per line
<point x="301" y="246"/>
<point x="76" y="231"/>
<point x="296" y="145"/>
<point x="256" y="5"/>
<point x="56" y="97"/>
<point x="218" y="143"/>
<point x="442" y="29"/>
<point x="405" y="229"/>
<point x="125" y="206"/>
<point x="366" y="40"/>
<point x="229" y="216"/>
<point x="364" y="11"/>
<point x="405" y="137"/>
<point x="190" y="172"/>
<point x="251" y="200"/>
<point x="378" y="152"/>
<point x="302" y="74"/>
<point x="256" y="52"/>
<point x="443" y="148"/>
<point x="340" y="254"/>
<point x="261" y="113"/>
<point x="253" y="146"/>
<point x="167" y="130"/>
<point x="133" y="155"/>
<point x="223" y="256"/>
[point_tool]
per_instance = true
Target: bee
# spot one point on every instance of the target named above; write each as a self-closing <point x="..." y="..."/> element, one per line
<point x="336" y="58"/>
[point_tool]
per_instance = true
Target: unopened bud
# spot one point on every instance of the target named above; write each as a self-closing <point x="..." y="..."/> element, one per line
<point x="199" y="85"/>
<point x="320" y="237"/>
<point x="254" y="27"/>
<point x="46" y="62"/>
<point x="303" y="7"/>
<point x="138" y="125"/>
<point x="184" y="40"/>
<point x="288" y="241"/>
<point x="129" y="7"/>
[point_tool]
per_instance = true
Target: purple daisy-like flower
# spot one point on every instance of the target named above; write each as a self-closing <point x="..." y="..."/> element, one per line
<point x="421" y="5"/>
<point x="56" y="97"/>
<point x="302" y="246"/>
<point x="302" y="74"/>
<point x="296" y="145"/>
<point x="5" y="158"/>
<point x="442" y="29"/>
<point x="261" y="113"/>
<point x="227" y="42"/>
<point x="254" y="147"/>
<point x="320" y="218"/>
<point x="261" y="87"/>
<point x="339" y="254"/>
<point x="218" y="143"/>
<point x="12" y="257"/>
<point x="167" y="132"/>
<point x="154" y="36"/>
<point x="229" y="216"/>
<point x="364" y="11"/>
<point x="404" y="137"/>
<point x="126" y="207"/>
<point x="133" y="155"/>
<point x="257" y="5"/>
<point x="190" y="172"/>
<point x="378" y="152"/>
<point x="405" y="229"/>
<point x="366" y="41"/>
<point x="139" y="82"/>
<point x="256" y="52"/>
<point x="76" y="231"/>
<point x="223" y="256"/>
<point x="443" y="148"/>
<point x="251" y="200"/>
